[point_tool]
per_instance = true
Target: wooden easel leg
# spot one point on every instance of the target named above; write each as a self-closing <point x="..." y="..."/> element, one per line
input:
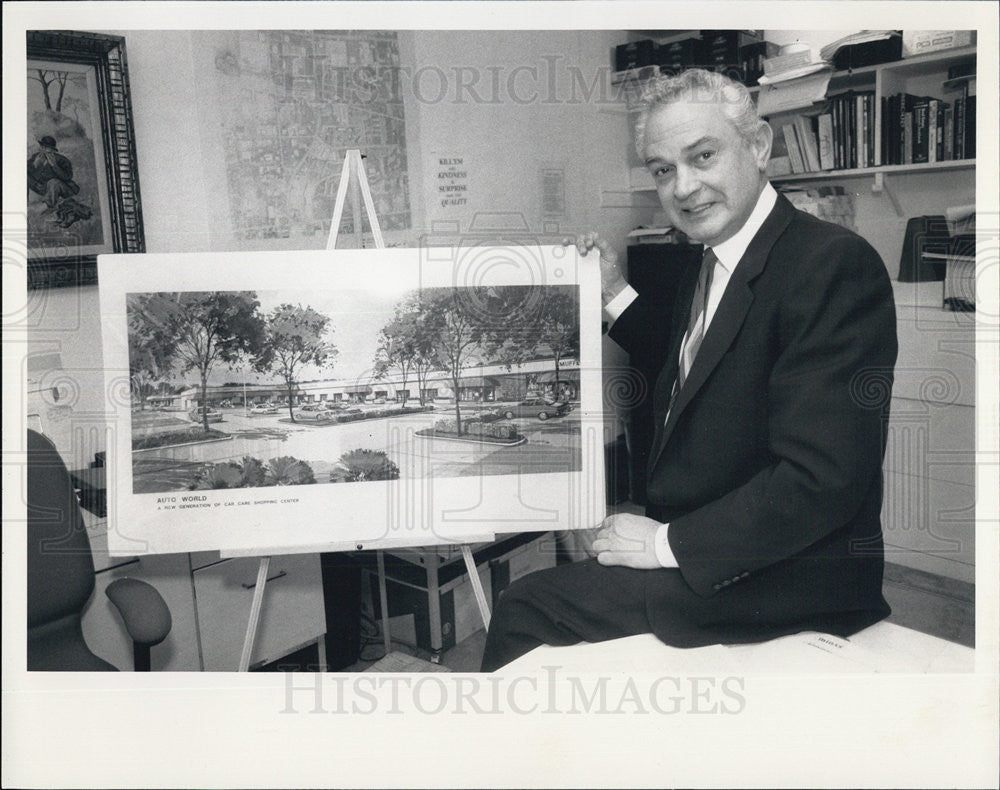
<point x="477" y="585"/>
<point x="258" y="599"/>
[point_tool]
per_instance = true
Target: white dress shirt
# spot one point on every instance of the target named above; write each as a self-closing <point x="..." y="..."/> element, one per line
<point x="728" y="253"/>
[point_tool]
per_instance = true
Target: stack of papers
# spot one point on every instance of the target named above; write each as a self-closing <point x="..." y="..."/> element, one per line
<point x="792" y="62"/>
<point x="794" y="73"/>
<point x="864" y="37"/>
<point x="793" y="94"/>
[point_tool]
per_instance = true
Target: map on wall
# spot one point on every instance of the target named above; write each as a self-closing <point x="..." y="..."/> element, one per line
<point x="292" y="103"/>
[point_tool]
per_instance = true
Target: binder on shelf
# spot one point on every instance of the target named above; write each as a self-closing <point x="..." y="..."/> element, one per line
<point x="634" y="55"/>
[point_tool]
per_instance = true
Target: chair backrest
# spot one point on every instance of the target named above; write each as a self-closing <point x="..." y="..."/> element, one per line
<point x="60" y="565"/>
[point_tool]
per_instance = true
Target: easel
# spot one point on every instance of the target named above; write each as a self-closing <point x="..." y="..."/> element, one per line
<point x="353" y="176"/>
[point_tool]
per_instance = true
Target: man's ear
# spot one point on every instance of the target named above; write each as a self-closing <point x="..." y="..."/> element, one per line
<point x="761" y="145"/>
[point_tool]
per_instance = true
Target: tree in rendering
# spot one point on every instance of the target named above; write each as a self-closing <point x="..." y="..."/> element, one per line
<point x="456" y="327"/>
<point x="558" y="326"/>
<point x="395" y="347"/>
<point x="294" y="336"/>
<point x="528" y="322"/>
<point x="148" y="359"/>
<point x="406" y="344"/>
<point x="200" y="328"/>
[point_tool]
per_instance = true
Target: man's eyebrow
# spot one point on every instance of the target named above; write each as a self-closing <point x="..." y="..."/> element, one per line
<point x="700" y="141"/>
<point x="697" y="143"/>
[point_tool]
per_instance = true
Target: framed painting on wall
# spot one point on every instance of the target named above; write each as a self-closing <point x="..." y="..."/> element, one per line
<point x="83" y="184"/>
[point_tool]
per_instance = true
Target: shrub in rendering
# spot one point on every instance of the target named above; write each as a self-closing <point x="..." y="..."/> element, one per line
<point x="254" y="474"/>
<point x="288" y="471"/>
<point x="475" y="427"/>
<point x="362" y="464"/>
<point x="224" y="475"/>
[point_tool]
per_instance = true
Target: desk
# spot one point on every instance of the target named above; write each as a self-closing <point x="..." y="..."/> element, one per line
<point x="92" y="485"/>
<point x="884" y="647"/>
<point x="209" y="601"/>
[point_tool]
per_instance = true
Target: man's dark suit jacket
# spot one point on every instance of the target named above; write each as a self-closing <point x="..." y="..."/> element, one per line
<point x="769" y="467"/>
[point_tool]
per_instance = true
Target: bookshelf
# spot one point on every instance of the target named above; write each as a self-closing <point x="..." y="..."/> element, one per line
<point x="867" y="172"/>
<point x="925" y="74"/>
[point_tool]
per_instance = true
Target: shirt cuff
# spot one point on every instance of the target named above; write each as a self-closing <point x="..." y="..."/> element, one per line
<point x="664" y="554"/>
<point x="620" y="303"/>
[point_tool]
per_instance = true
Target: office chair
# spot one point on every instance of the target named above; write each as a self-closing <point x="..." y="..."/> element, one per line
<point x="61" y="577"/>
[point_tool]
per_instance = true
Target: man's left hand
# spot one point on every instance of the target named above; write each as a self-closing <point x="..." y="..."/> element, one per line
<point x="629" y="540"/>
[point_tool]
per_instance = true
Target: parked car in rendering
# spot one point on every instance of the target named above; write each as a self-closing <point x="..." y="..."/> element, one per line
<point x="310" y="407"/>
<point x="314" y="415"/>
<point x="197" y="414"/>
<point x="263" y="408"/>
<point x="542" y="408"/>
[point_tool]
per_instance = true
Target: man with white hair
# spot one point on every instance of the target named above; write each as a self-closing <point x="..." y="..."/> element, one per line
<point x="764" y="479"/>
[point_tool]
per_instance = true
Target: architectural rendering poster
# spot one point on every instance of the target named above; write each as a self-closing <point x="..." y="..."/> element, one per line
<point x="267" y="402"/>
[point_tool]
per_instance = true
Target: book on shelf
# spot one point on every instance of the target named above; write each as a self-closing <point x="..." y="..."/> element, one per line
<point x="780" y="164"/>
<point x="824" y="127"/>
<point x="959" y="131"/>
<point x="920" y="132"/>
<point x="970" y="126"/>
<point x="807" y="141"/>
<point x="889" y="132"/>
<point x="859" y="131"/>
<point x="948" y="129"/>
<point x="882" y="150"/>
<point x="873" y="157"/>
<point x="847" y="132"/>
<point x="852" y="122"/>
<point x="933" y="109"/>
<point x="838" y="142"/>
<point x="794" y="152"/>
<point x="908" y="137"/>
<point x="904" y="128"/>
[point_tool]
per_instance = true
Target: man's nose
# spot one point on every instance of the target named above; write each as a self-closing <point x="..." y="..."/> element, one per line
<point x="686" y="183"/>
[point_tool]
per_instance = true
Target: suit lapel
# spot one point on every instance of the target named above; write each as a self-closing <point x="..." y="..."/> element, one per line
<point x="725" y="325"/>
<point x="678" y="325"/>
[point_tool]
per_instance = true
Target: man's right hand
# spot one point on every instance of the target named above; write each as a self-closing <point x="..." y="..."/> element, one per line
<point x="612" y="275"/>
